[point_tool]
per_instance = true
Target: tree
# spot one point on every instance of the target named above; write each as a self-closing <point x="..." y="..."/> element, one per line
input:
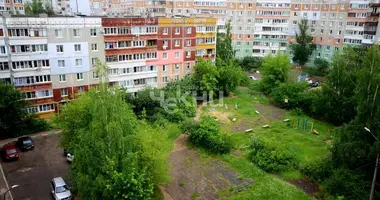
<point x="116" y="157"/>
<point x="230" y="76"/>
<point x="339" y="89"/>
<point x="250" y="63"/>
<point x="14" y="120"/>
<point x="205" y="76"/>
<point x="275" y="70"/>
<point x="224" y="49"/>
<point x="303" y="47"/>
<point x="321" y="64"/>
<point x="36" y="7"/>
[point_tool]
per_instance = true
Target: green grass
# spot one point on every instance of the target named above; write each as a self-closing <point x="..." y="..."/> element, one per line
<point x="265" y="186"/>
<point x="173" y="131"/>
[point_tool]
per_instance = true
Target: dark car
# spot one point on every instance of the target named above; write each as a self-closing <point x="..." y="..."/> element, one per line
<point x="9" y="152"/>
<point x="25" y="143"/>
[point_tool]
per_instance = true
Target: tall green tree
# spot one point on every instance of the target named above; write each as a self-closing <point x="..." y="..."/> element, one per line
<point x="304" y="46"/>
<point x="116" y="157"/>
<point x="224" y="50"/>
<point x="230" y="76"/>
<point x="275" y="70"/>
<point x="205" y="76"/>
<point x="339" y="89"/>
<point x="14" y="120"/>
<point x="36" y="7"/>
<point x="250" y="63"/>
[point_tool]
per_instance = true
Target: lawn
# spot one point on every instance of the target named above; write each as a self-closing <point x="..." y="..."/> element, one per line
<point x="304" y="144"/>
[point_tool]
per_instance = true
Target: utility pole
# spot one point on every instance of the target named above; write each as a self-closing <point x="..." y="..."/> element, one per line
<point x="374" y="178"/>
<point x="376" y="166"/>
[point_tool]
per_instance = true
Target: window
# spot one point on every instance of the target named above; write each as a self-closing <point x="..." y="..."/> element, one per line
<point x="93" y="32"/>
<point x="165" y="43"/>
<point x="59" y="48"/>
<point x="176" y="54"/>
<point x="44" y="93"/>
<point x="165" y="31"/>
<point x="306" y="6"/>
<point x="176" y="67"/>
<point x="93" y="61"/>
<point x="333" y="6"/>
<point x="177" y="43"/>
<point x="165" y="55"/>
<point x="4" y="66"/>
<point x="188" y="65"/>
<point x="46" y="107"/>
<point x="165" y="79"/>
<point x="177" y="30"/>
<point x="188" y="42"/>
<point x="62" y="77"/>
<point x="77" y="47"/>
<point x="61" y="63"/>
<point x="176" y="77"/>
<point x="188" y="54"/>
<point x="64" y="92"/>
<point x="79" y="76"/>
<point x="294" y="22"/>
<point x="94" y="47"/>
<point x="78" y="62"/>
<point x="81" y="89"/>
<point x="188" y="30"/>
<point x="58" y="33"/>
<point x="164" y="68"/>
<point x="76" y="32"/>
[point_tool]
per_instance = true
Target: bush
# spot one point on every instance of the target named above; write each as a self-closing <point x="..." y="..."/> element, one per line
<point x="189" y="126"/>
<point x="34" y="125"/>
<point x="270" y="159"/>
<point x="293" y="91"/>
<point x="312" y="71"/>
<point x="317" y="169"/>
<point x="207" y="135"/>
<point x="349" y="184"/>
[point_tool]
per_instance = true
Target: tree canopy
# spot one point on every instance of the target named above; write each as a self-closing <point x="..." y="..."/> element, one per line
<point x="36" y="7"/>
<point x="275" y="70"/>
<point x="116" y="156"/>
<point x="303" y="47"/>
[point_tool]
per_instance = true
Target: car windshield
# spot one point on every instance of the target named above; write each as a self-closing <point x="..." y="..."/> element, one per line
<point x="61" y="189"/>
<point x="11" y="151"/>
<point x="27" y="141"/>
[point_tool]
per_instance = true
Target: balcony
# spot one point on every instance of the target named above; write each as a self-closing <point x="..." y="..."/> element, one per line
<point x="374" y="14"/>
<point x="374" y="5"/>
<point x="371" y="23"/>
<point x="370" y="32"/>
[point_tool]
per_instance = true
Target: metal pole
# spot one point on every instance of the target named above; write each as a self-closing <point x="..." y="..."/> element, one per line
<point x="374" y="178"/>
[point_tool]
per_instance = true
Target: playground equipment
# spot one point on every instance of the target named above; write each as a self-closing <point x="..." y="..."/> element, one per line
<point x="257" y="112"/>
<point x="331" y="135"/>
<point x="266" y="126"/>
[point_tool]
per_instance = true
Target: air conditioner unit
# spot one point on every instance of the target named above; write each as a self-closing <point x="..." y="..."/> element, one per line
<point x="164" y="47"/>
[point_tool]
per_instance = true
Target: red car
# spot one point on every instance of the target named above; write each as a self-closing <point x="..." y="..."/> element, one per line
<point x="9" y="152"/>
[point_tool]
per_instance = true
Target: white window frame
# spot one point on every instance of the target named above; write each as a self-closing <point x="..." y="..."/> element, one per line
<point x="165" y="55"/>
<point x="62" y="78"/>
<point x="78" y="61"/>
<point x="77" y="47"/>
<point x="94" y="45"/>
<point x="79" y="76"/>
<point x="60" y="65"/>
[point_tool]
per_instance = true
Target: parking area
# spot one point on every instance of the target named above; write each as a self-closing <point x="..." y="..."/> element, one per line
<point x="34" y="169"/>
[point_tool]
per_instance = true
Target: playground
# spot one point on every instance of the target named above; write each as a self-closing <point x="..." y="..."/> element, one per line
<point x="250" y="115"/>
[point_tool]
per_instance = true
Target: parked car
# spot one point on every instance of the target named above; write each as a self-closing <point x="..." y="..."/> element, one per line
<point x="59" y="189"/>
<point x="253" y="78"/>
<point x="314" y="84"/>
<point x="25" y="143"/>
<point x="70" y="157"/>
<point x="9" y="152"/>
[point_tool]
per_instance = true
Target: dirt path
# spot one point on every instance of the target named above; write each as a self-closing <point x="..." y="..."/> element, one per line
<point x="198" y="113"/>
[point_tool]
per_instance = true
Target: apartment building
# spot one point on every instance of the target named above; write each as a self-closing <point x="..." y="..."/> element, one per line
<point x="153" y="51"/>
<point x="265" y="27"/>
<point x="52" y="59"/>
<point x="12" y="6"/>
<point x="48" y="59"/>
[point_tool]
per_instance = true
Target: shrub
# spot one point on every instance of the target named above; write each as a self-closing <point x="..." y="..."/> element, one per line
<point x="270" y="159"/>
<point x="317" y="169"/>
<point x="293" y="91"/>
<point x="189" y="126"/>
<point x="34" y="125"/>
<point x="312" y="71"/>
<point x="349" y="184"/>
<point x="207" y="135"/>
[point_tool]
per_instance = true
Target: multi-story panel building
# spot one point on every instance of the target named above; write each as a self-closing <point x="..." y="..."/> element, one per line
<point x="264" y="27"/>
<point x="12" y="6"/>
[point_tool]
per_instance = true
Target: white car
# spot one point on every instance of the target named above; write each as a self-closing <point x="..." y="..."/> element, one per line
<point x="253" y="78"/>
<point x="70" y="157"/>
<point x="59" y="189"/>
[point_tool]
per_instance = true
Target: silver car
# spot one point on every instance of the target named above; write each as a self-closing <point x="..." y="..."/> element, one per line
<point x="59" y="189"/>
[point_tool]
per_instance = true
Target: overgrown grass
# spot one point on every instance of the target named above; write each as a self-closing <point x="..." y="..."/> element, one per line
<point x="265" y="186"/>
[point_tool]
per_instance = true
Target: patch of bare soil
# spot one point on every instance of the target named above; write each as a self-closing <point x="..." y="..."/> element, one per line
<point x="192" y="177"/>
<point x="270" y="111"/>
<point x="198" y="112"/>
<point x="249" y="123"/>
<point x="221" y="116"/>
<point x="308" y="186"/>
